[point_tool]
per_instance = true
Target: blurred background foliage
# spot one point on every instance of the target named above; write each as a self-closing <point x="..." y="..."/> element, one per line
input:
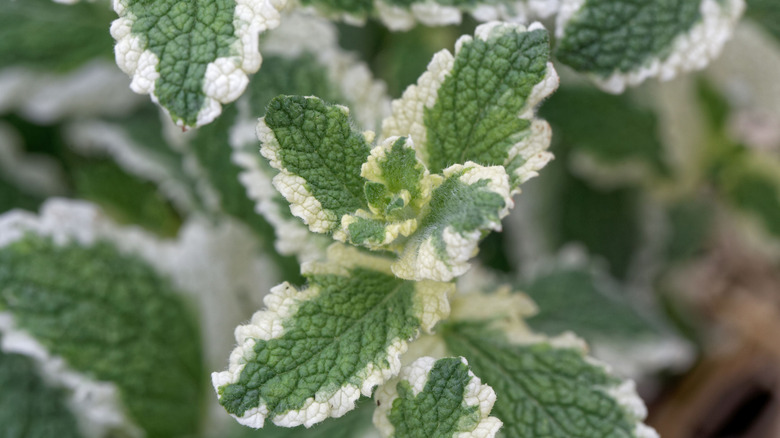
<point x="658" y="219"/>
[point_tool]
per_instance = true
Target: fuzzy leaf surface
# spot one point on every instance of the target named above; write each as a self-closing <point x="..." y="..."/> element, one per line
<point x="470" y="202"/>
<point x="437" y="399"/>
<point x="478" y="105"/>
<point x="314" y="351"/>
<point x="319" y="157"/>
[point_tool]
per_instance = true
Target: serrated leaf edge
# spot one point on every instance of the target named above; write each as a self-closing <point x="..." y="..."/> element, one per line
<point x="430" y="300"/>
<point x="420" y="261"/>
<point x="624" y="393"/>
<point x="225" y="78"/>
<point x="417" y="374"/>
<point x="407" y="112"/>
<point x="303" y="203"/>
<point x="202" y="262"/>
<point x="301" y="34"/>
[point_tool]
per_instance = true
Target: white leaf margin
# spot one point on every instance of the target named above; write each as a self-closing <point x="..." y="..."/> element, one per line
<point x="420" y="260"/>
<point x="690" y="51"/>
<point x="46" y="98"/>
<point x="225" y="78"/>
<point x="636" y="358"/>
<point x="301" y="34"/>
<point x="213" y="264"/>
<point x="95" y="404"/>
<point x="417" y="373"/>
<point x="407" y="116"/>
<point x="101" y="138"/>
<point x="624" y="393"/>
<point x="430" y="301"/>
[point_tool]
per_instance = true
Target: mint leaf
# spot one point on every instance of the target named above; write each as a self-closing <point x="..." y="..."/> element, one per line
<point x="470" y="201"/>
<point x="319" y="157"/>
<point x="304" y="58"/>
<point x="621" y="43"/>
<point x="109" y="316"/>
<point x="191" y="56"/>
<point x="478" y="105"/>
<point x="139" y="147"/>
<point x="437" y="399"/>
<point x="544" y="389"/>
<point x="314" y="351"/>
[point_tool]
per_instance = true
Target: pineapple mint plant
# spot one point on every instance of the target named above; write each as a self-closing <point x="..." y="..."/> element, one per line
<point x="332" y="257"/>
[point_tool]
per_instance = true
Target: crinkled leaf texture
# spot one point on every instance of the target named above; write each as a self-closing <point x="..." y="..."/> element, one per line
<point x="103" y="324"/>
<point x="433" y="190"/>
<point x="548" y="387"/>
<point x="314" y="351"/>
<point x="302" y="57"/>
<point x="478" y="104"/>
<point x="191" y="56"/>
<point x="436" y="399"/>
<point x="621" y="43"/>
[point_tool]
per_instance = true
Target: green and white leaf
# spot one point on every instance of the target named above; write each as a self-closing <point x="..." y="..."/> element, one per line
<point x="314" y="351"/>
<point x="332" y="177"/>
<point x="478" y="105"/>
<point x="549" y="387"/>
<point x="304" y="58"/>
<point x="382" y="198"/>
<point x="95" y="406"/>
<point x="30" y="406"/>
<point x="319" y="158"/>
<point x="470" y="202"/>
<point x="397" y="187"/>
<point x="70" y="302"/>
<point x="437" y="399"/>
<point x="356" y="424"/>
<point x="620" y="43"/>
<point x="610" y="140"/>
<point x="216" y="264"/>
<point x="191" y="57"/>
